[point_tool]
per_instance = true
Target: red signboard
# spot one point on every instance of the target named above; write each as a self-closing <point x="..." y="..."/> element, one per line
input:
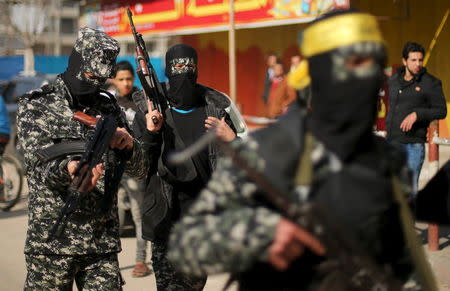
<point x="191" y="16"/>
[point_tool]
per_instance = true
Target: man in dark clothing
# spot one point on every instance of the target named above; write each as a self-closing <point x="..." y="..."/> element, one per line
<point x="328" y="157"/>
<point x="191" y="109"/>
<point x="271" y="61"/>
<point x="86" y="249"/>
<point x="415" y="99"/>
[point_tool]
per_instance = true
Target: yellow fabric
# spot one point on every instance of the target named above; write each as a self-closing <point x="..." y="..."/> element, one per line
<point x="338" y="31"/>
<point x="299" y="78"/>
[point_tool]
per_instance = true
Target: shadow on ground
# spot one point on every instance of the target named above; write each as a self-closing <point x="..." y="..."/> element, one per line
<point x="13" y="213"/>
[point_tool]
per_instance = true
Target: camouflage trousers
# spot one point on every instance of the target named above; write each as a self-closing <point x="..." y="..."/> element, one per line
<point x="167" y="277"/>
<point x="58" y="272"/>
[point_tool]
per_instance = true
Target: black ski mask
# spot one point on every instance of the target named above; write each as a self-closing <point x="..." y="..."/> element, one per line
<point x="181" y="69"/>
<point x="94" y="52"/>
<point x="344" y="103"/>
<point x="346" y="70"/>
<point x="81" y="88"/>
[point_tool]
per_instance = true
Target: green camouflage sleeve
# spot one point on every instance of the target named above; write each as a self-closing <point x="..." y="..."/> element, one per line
<point x="225" y="230"/>
<point x="34" y="123"/>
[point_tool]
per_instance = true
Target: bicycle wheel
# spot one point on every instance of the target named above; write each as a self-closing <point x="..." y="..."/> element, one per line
<point x="11" y="182"/>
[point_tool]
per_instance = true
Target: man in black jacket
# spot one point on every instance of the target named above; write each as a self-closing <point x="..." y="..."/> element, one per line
<point x="416" y="99"/>
<point x="191" y="109"/>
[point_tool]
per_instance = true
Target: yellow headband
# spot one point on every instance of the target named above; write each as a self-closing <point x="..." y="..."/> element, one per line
<point x="338" y="31"/>
<point x="299" y="78"/>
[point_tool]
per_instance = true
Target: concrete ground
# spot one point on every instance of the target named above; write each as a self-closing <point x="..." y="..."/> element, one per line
<point x="12" y="266"/>
<point x="12" y="262"/>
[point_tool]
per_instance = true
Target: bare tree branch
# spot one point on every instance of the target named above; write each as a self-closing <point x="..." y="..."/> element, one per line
<point x="27" y="20"/>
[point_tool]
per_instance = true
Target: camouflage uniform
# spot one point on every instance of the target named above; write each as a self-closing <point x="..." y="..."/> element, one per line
<point x="87" y="249"/>
<point x="55" y="272"/>
<point x="231" y="225"/>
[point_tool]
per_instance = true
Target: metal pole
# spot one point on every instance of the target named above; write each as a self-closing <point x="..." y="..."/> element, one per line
<point x="433" y="160"/>
<point x="232" y="53"/>
<point x="436" y="35"/>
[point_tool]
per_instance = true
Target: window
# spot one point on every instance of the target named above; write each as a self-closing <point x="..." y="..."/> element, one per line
<point x="71" y="4"/>
<point x="68" y="25"/>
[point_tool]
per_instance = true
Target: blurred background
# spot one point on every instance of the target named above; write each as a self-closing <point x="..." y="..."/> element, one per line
<point x="37" y="36"/>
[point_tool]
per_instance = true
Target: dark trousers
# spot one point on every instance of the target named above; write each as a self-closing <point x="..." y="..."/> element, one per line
<point x="58" y="272"/>
<point x="169" y="279"/>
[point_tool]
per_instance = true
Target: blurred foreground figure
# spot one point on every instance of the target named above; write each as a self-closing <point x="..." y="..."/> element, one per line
<point x="328" y="158"/>
<point x="73" y="232"/>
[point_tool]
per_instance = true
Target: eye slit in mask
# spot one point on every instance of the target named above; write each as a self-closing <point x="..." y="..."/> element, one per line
<point x="182" y="66"/>
<point x="93" y="79"/>
<point x="360" y="60"/>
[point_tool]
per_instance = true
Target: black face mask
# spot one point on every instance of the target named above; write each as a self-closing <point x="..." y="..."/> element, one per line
<point x="344" y="102"/>
<point x="83" y="90"/>
<point x="183" y="90"/>
<point x="183" y="93"/>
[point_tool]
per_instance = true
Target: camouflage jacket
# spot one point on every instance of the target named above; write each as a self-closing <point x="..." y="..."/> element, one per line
<point x="231" y="225"/>
<point x="45" y="118"/>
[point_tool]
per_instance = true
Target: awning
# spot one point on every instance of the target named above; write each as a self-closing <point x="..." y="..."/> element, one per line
<point x="172" y="17"/>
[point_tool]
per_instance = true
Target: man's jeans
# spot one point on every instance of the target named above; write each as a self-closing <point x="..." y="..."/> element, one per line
<point x="415" y="153"/>
<point x="136" y="196"/>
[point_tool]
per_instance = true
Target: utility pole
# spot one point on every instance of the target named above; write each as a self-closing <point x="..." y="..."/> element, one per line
<point x="232" y="52"/>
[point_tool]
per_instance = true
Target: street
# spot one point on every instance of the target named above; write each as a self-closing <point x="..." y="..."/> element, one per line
<point x="12" y="265"/>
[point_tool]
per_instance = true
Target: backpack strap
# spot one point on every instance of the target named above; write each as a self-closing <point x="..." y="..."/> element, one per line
<point x="303" y="177"/>
<point x="425" y="275"/>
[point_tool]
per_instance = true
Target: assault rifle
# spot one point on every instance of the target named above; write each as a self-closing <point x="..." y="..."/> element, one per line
<point x="347" y="266"/>
<point x="146" y="73"/>
<point x="95" y="148"/>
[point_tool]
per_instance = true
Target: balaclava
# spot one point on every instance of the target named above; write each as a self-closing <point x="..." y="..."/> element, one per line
<point x="344" y="102"/>
<point x="94" y="52"/>
<point x="182" y="83"/>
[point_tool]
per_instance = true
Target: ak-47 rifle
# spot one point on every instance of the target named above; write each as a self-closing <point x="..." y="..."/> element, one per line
<point x="347" y="266"/>
<point x="146" y="73"/>
<point x="95" y="148"/>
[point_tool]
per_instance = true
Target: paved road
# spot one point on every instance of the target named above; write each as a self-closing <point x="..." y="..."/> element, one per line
<point x="12" y="266"/>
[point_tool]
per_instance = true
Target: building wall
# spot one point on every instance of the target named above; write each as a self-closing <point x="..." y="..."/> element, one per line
<point x="252" y="47"/>
<point x="400" y="21"/>
<point x="415" y="20"/>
